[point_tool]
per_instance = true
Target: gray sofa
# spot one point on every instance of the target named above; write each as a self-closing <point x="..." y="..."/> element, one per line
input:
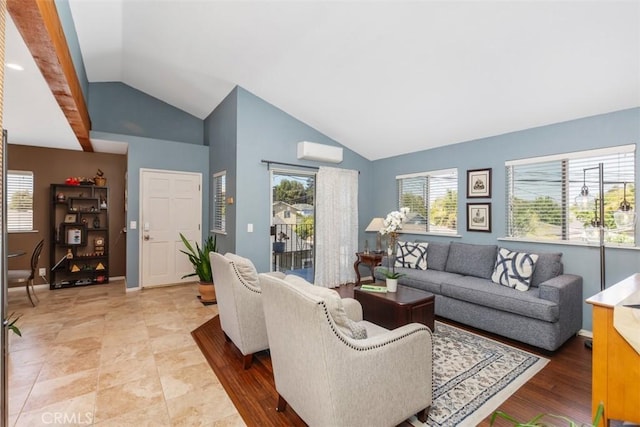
<point x="459" y="274"/>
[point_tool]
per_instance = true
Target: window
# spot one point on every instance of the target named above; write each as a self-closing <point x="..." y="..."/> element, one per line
<point x="541" y="195"/>
<point x="219" y="199"/>
<point x="433" y="200"/>
<point x="20" y="201"/>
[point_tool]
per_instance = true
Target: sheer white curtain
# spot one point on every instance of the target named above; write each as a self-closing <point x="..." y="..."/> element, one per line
<point x="336" y="226"/>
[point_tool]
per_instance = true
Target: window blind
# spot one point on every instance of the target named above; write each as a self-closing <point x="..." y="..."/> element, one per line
<point x="542" y="195"/>
<point x="219" y="201"/>
<point x="19" y="200"/>
<point x="433" y="200"/>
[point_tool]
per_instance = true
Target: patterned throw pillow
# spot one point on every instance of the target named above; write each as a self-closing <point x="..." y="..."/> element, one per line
<point x="412" y="255"/>
<point x="514" y="269"/>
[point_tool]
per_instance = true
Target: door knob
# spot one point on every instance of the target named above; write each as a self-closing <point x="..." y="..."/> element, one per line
<point x="146" y="237"/>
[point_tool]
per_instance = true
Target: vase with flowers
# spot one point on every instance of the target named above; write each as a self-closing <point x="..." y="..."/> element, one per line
<point x="391" y="226"/>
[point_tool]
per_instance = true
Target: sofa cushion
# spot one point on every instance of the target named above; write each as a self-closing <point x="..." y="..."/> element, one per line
<point x="471" y="260"/>
<point x="485" y="292"/>
<point x="548" y="266"/>
<point x="514" y="269"/>
<point x="333" y="302"/>
<point x="412" y="255"/>
<point x="245" y="268"/>
<point x="426" y="280"/>
<point x="437" y="254"/>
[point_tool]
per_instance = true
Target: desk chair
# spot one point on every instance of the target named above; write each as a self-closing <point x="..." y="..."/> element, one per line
<point x="16" y="278"/>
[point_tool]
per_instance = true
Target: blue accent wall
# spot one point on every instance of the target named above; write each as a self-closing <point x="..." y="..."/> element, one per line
<point x="220" y="133"/>
<point x="245" y="130"/>
<point x="69" y="28"/>
<point x="120" y="109"/>
<point x="156" y="154"/>
<point x="617" y="128"/>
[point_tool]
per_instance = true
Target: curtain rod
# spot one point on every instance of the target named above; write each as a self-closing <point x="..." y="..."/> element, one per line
<point x="271" y="162"/>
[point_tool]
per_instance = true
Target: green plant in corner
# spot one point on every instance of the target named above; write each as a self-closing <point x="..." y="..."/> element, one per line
<point x="537" y="420"/>
<point x="11" y="324"/>
<point x="199" y="258"/>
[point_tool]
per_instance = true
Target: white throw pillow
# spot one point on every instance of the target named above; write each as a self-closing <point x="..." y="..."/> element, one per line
<point x="514" y="269"/>
<point x="412" y="255"/>
<point x="245" y="268"/>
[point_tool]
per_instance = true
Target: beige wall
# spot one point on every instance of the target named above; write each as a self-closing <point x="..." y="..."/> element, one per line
<point x="51" y="166"/>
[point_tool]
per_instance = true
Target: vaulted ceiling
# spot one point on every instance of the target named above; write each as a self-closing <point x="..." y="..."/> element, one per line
<point x="383" y="78"/>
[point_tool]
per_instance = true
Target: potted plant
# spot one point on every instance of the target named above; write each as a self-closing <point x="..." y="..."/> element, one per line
<point x="199" y="258"/>
<point x="279" y="246"/>
<point x="391" y="277"/>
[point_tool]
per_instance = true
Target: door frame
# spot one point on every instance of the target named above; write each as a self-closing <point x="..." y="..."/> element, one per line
<point x="141" y="213"/>
<point x="283" y="171"/>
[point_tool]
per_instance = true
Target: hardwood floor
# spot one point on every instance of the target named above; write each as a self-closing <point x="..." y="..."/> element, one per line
<point x="562" y="387"/>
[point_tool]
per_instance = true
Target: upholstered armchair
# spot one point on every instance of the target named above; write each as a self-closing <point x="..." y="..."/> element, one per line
<point x="239" y="301"/>
<point x="328" y="375"/>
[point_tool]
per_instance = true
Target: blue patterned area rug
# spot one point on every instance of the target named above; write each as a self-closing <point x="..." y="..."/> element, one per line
<point x="473" y="375"/>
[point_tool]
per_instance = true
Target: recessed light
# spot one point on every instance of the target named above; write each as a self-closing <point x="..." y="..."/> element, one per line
<point x="15" y="66"/>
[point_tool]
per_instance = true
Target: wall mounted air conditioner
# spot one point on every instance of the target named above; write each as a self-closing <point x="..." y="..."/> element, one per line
<point x="319" y="152"/>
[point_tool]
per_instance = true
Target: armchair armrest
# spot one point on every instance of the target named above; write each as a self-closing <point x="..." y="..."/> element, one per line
<point x="398" y="364"/>
<point x="277" y="274"/>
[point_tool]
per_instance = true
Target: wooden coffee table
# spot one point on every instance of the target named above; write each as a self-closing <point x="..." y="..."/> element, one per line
<point x="394" y="309"/>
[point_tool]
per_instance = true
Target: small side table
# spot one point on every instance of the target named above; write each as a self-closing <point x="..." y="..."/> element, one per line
<point x="371" y="260"/>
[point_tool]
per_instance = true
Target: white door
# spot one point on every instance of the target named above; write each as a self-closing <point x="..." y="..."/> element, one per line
<point x="171" y="203"/>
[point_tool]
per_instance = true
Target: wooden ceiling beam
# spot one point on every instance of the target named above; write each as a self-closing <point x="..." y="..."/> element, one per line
<point x="40" y="27"/>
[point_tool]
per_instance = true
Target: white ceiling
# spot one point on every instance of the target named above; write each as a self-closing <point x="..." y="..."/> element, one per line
<point x="382" y="78"/>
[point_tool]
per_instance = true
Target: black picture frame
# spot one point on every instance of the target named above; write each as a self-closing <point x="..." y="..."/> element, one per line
<point x="70" y="218"/>
<point x="479" y="217"/>
<point x="479" y="183"/>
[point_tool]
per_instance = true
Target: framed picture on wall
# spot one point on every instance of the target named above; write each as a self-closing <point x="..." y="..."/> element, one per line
<point x="479" y="217"/>
<point x="70" y="218"/>
<point x="479" y="183"/>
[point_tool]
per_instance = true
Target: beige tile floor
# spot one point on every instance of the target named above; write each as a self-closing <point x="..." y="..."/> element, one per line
<point x="98" y="355"/>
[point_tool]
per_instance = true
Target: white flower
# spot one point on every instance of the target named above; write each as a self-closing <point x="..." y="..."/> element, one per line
<point x="393" y="222"/>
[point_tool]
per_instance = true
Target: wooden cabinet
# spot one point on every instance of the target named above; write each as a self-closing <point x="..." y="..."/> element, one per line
<point x="79" y="253"/>
<point x="616" y="365"/>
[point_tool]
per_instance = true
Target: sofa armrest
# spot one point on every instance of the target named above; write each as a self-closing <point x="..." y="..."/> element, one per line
<point x="353" y="308"/>
<point x="277" y="274"/>
<point x="562" y="289"/>
<point x="566" y="291"/>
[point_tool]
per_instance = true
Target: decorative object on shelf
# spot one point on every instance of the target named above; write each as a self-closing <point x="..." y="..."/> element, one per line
<point x="70" y="218"/>
<point x="103" y="203"/>
<point x="100" y="266"/>
<point x="72" y="181"/>
<point x="99" y="179"/>
<point x="199" y="258"/>
<point x="69" y="254"/>
<point x="61" y="197"/>
<point x="75" y="268"/>
<point x="96" y="222"/>
<point x="74" y="236"/>
<point x="479" y="217"/>
<point x="479" y="183"/>
<point x="98" y="244"/>
<point x="84" y="221"/>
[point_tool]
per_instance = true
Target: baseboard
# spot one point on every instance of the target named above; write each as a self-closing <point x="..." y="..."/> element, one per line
<point x="585" y="333"/>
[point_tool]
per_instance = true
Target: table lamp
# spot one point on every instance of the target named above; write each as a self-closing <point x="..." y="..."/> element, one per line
<point x="374" y="226"/>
